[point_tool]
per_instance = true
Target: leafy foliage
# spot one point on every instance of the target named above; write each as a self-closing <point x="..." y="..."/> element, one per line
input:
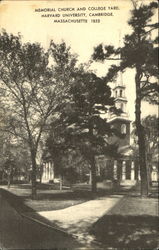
<point x="140" y="49"/>
<point x="140" y="53"/>
<point x="32" y="89"/>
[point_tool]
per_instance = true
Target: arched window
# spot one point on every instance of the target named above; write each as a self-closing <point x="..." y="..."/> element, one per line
<point x="121" y="93"/>
<point x="123" y="129"/>
<point x="116" y="93"/>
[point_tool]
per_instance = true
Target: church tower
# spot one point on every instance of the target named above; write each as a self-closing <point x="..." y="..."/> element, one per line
<point x="121" y="122"/>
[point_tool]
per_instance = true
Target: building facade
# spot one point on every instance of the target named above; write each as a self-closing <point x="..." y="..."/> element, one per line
<point x="125" y="168"/>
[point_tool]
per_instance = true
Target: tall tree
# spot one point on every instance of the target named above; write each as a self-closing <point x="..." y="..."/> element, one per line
<point x="64" y="154"/>
<point x="140" y="53"/>
<point x="86" y="128"/>
<point x="65" y="68"/>
<point x="15" y="160"/>
<point x="150" y="124"/>
<point x="32" y="92"/>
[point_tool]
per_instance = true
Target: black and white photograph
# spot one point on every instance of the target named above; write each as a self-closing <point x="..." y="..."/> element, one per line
<point x="79" y="125"/>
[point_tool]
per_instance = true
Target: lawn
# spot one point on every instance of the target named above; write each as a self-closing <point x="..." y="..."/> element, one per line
<point x="133" y="223"/>
<point x="56" y="199"/>
<point x="47" y="199"/>
<point x="134" y="232"/>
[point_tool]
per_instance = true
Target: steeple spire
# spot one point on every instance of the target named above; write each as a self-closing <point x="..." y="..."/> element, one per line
<point x="120" y="122"/>
<point x="119" y="81"/>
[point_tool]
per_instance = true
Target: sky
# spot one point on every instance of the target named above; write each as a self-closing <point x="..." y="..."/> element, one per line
<point x="21" y="17"/>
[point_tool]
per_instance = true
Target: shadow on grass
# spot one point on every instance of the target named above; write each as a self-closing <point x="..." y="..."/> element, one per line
<point x="40" y="186"/>
<point x="65" y="195"/>
<point x="126" y="231"/>
<point x="51" y="192"/>
<point x="30" y="231"/>
<point x="15" y="201"/>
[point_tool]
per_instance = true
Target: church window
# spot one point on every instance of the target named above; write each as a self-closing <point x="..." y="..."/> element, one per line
<point x="116" y="93"/>
<point x="123" y="128"/>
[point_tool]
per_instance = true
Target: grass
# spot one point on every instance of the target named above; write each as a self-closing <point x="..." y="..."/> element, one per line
<point x="132" y="223"/>
<point x="49" y="197"/>
<point x="48" y="205"/>
<point x="135" y="232"/>
<point x="56" y="199"/>
<point x="47" y="200"/>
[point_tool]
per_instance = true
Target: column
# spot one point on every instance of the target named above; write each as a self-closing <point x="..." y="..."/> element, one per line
<point x="139" y="177"/>
<point x="115" y="175"/>
<point x="132" y="171"/>
<point x="90" y="177"/>
<point x="53" y="174"/>
<point x="44" y="173"/>
<point x="49" y="171"/>
<point x="123" y="170"/>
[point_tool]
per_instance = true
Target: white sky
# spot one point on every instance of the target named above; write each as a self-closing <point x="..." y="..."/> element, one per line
<point x="19" y="16"/>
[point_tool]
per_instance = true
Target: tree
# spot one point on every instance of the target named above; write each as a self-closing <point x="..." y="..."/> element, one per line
<point x="14" y="151"/>
<point x="32" y="92"/>
<point x="86" y="128"/>
<point x="150" y="124"/>
<point x="140" y="53"/>
<point x="56" y="149"/>
<point x="65" y="71"/>
<point x="15" y="161"/>
<point x="66" y="157"/>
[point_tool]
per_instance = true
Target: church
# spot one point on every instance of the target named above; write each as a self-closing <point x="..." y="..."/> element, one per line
<point x="125" y="168"/>
<point x="110" y="169"/>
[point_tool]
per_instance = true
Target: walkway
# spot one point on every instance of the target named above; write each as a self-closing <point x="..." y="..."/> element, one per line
<point x="77" y="220"/>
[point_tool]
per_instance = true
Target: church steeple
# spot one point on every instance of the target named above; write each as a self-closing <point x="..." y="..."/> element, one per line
<point x="120" y="97"/>
<point x="119" y="89"/>
<point x="121" y="121"/>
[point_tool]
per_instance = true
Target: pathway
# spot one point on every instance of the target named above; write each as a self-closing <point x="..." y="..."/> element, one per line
<point x="77" y="220"/>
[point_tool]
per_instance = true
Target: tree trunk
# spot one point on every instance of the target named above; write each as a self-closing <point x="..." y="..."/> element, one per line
<point x="9" y="174"/>
<point x="33" y="179"/>
<point x="3" y="176"/>
<point x="61" y="182"/>
<point x="141" y="137"/>
<point x="92" y="161"/>
<point x="41" y="172"/>
<point x="93" y="174"/>
<point x="9" y="180"/>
